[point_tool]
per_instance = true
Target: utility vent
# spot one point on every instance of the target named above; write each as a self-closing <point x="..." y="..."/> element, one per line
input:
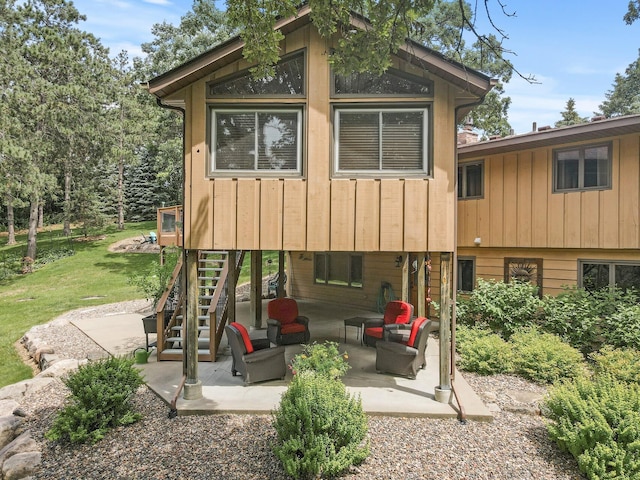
<point x="494" y="137"/>
<point x="598" y="118"/>
<point x="546" y="127"/>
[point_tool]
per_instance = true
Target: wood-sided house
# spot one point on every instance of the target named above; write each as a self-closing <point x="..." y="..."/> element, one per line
<point x="352" y="178"/>
<point x="558" y="207"/>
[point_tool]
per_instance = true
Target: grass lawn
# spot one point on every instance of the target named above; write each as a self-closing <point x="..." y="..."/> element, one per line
<point x="66" y="284"/>
<point x="93" y="276"/>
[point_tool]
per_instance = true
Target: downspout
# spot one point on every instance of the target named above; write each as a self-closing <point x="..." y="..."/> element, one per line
<point x="173" y="411"/>
<point x="462" y="416"/>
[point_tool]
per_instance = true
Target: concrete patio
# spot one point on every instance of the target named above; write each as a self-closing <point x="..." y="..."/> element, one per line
<point x="381" y="394"/>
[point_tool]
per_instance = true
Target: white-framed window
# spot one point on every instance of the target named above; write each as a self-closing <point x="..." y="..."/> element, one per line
<point x="377" y="141"/>
<point x="466" y="278"/>
<point x="338" y="268"/>
<point x="582" y="168"/>
<point x="256" y="140"/>
<point x="471" y="180"/>
<point x="596" y="274"/>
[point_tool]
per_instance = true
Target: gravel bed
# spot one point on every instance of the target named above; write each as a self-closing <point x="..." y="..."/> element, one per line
<point x="229" y="447"/>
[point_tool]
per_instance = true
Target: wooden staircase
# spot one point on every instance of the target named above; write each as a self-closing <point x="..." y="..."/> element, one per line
<point x="213" y="269"/>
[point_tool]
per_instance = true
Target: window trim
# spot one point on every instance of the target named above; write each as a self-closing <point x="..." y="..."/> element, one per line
<point x="464" y="166"/>
<point x="252" y="108"/>
<point x="427" y="153"/>
<point x="473" y="274"/>
<point x="326" y="283"/>
<point x="581" y="149"/>
<point x="610" y="263"/>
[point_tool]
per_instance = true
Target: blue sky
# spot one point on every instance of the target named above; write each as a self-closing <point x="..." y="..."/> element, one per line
<point x="574" y="48"/>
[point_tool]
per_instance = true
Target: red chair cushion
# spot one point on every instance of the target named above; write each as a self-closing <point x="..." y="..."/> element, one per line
<point x="373" y="332"/>
<point x="285" y="310"/>
<point x="292" y="328"/>
<point x="415" y="326"/>
<point x="397" y="312"/>
<point x="245" y="336"/>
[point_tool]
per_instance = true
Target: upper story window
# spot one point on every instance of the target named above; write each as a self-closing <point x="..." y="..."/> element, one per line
<point x="470" y="180"/>
<point x="255" y="140"/>
<point x="582" y="168"/>
<point x="288" y="80"/>
<point x="375" y="140"/>
<point x="391" y="83"/>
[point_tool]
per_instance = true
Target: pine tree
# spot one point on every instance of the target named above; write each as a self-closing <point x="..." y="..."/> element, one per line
<point x="570" y="116"/>
<point x="624" y="98"/>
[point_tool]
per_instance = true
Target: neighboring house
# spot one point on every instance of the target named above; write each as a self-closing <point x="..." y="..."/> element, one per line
<point x="557" y="207"/>
<point x="352" y="178"/>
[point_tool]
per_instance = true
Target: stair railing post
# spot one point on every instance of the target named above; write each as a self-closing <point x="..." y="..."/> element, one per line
<point x="192" y="386"/>
<point x="256" y="288"/>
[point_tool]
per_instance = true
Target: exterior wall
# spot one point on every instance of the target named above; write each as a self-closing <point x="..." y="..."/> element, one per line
<point x="519" y="209"/>
<point x="377" y="268"/>
<point x="314" y="212"/>
<point x="559" y="266"/>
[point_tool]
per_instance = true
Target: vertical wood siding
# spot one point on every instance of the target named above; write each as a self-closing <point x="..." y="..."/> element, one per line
<point x="520" y="210"/>
<point x="315" y="212"/>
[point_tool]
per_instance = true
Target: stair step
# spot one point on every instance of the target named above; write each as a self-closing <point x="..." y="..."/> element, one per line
<point x="201" y="351"/>
<point x="201" y="328"/>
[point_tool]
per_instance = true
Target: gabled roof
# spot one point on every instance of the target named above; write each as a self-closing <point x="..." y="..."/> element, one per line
<point x="466" y="79"/>
<point x="594" y="130"/>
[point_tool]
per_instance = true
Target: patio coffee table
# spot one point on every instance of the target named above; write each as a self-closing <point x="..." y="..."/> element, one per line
<point x="354" y="322"/>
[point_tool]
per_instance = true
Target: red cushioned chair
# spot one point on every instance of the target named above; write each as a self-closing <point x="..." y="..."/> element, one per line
<point x="403" y="351"/>
<point x="253" y="359"/>
<point x="285" y="326"/>
<point x="396" y="312"/>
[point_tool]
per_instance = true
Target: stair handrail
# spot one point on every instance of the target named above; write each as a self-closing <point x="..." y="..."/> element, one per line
<point x="162" y="303"/>
<point x="224" y="311"/>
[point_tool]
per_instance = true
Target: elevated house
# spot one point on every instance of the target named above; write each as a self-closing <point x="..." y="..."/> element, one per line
<point x="352" y="179"/>
<point x="558" y="207"/>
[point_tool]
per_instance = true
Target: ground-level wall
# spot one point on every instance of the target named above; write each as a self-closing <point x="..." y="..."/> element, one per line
<point x="559" y="266"/>
<point x="377" y="268"/>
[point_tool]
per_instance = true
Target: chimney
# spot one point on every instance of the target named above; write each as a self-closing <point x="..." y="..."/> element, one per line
<point x="467" y="135"/>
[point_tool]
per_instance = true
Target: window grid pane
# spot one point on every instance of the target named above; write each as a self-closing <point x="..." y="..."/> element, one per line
<point x="402" y="140"/>
<point x="358" y="141"/>
<point x="235" y="141"/>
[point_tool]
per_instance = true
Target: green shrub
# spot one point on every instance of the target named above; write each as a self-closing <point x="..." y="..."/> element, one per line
<point x="484" y="352"/>
<point x="323" y="359"/>
<point x="100" y="399"/>
<point x="588" y="320"/>
<point x="598" y="421"/>
<point x="544" y="358"/>
<point x="503" y="307"/>
<point x="622" y="364"/>
<point x="321" y="429"/>
<point x="622" y="328"/>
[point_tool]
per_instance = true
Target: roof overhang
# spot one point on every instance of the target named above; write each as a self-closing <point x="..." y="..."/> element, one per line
<point x="473" y="85"/>
<point x="594" y="130"/>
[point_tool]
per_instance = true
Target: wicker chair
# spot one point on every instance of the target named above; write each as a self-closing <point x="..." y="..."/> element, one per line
<point x="285" y="326"/>
<point x="253" y="359"/>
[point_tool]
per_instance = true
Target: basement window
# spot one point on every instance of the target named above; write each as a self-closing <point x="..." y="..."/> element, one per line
<point x="338" y="269"/>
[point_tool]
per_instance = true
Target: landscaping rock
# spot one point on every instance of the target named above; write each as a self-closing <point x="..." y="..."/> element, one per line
<point x="21" y="465"/>
<point x="60" y="368"/>
<point x="8" y="407"/>
<point x="23" y="443"/>
<point x="9" y="429"/>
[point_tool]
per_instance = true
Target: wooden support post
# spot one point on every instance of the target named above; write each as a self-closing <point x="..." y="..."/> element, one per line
<point x="281" y="276"/>
<point x="192" y="386"/>
<point x="256" y="288"/>
<point x="443" y="391"/>
<point x="421" y="284"/>
<point x="232" y="281"/>
<point x="404" y="295"/>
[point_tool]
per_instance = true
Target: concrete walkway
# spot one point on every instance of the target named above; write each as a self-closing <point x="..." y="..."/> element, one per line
<point x="381" y="394"/>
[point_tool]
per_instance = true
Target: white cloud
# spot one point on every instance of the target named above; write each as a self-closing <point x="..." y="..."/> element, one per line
<point x="157" y="2"/>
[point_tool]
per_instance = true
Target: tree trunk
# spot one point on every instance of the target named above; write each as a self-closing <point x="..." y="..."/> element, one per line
<point x="33" y="229"/>
<point x="121" y="194"/>
<point x="11" y="228"/>
<point x="67" y="202"/>
<point x="40" y="215"/>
